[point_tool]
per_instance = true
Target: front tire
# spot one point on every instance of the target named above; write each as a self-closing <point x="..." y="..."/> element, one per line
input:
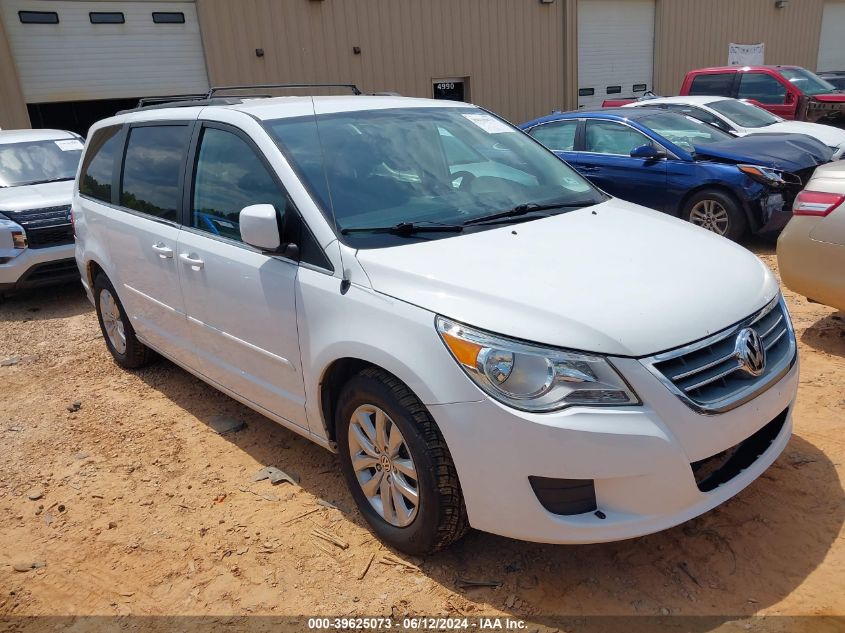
<point x="718" y="212"/>
<point x="125" y="348"/>
<point x="397" y="465"/>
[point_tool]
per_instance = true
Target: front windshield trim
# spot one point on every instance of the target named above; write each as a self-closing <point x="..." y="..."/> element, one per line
<point x="428" y="123"/>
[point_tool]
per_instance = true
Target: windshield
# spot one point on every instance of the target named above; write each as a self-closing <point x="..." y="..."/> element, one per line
<point x="807" y="82"/>
<point x="439" y="165"/>
<point x="744" y="114"/>
<point x="684" y="131"/>
<point x="34" y="162"/>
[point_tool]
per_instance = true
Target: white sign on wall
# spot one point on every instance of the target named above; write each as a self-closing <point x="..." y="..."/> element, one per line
<point x="745" y="54"/>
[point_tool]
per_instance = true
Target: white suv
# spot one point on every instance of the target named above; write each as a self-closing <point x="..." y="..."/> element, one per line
<point x="37" y="168"/>
<point x="485" y="338"/>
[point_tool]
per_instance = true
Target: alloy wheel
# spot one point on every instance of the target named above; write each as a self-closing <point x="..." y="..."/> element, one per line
<point x="710" y="215"/>
<point x="383" y="465"/>
<point x="112" y="322"/>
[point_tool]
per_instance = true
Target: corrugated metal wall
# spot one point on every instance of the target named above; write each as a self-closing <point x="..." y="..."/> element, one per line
<point x="13" y="112"/>
<point x="513" y="51"/>
<point x="695" y="33"/>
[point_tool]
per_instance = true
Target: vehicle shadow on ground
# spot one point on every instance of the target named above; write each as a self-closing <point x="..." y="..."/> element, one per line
<point x="827" y="334"/>
<point x="746" y="555"/>
<point x="51" y="302"/>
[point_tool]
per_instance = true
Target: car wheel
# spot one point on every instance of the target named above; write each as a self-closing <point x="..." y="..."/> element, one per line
<point x="718" y="212"/>
<point x="397" y="465"/>
<point x="118" y="333"/>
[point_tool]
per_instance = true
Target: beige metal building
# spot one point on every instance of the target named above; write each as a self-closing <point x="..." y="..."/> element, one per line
<point x="64" y="63"/>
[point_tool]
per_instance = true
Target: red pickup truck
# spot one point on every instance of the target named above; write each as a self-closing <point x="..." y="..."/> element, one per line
<point x="790" y="92"/>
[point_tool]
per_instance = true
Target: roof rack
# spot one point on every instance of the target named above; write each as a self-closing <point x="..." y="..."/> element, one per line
<point x="147" y="101"/>
<point x="209" y="98"/>
<point x="216" y="89"/>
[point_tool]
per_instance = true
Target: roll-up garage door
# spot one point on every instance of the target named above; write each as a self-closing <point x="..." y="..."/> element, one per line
<point x="78" y="51"/>
<point x="832" y="44"/>
<point x="615" y="49"/>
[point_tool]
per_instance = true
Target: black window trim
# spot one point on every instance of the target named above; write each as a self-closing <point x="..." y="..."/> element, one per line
<point x="157" y="17"/>
<point x="28" y="12"/>
<point x="188" y="194"/>
<point x="91" y="15"/>
<point x="121" y="157"/>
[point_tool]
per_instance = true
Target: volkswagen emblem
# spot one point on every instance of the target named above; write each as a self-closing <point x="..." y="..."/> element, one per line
<point x="750" y="353"/>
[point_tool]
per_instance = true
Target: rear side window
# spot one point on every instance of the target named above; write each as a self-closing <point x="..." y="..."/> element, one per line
<point x="558" y="136"/>
<point x="95" y="178"/>
<point x="151" y="169"/>
<point x="762" y="88"/>
<point x="717" y="85"/>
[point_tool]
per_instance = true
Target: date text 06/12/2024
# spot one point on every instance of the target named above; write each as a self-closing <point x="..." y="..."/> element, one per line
<point x="418" y="623"/>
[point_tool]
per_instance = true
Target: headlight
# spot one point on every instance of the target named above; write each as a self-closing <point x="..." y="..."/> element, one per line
<point x="19" y="239"/>
<point x="533" y="378"/>
<point x="765" y="175"/>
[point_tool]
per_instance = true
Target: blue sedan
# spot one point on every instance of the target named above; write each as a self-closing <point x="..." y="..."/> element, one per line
<point x="677" y="164"/>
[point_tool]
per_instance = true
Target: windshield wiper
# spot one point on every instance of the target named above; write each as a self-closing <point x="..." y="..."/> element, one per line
<point x="405" y="229"/>
<point x="523" y="209"/>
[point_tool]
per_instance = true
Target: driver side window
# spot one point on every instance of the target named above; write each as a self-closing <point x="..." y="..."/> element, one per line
<point x="229" y="176"/>
<point x="609" y="137"/>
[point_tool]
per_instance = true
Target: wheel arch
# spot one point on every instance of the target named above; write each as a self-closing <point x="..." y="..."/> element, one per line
<point x="723" y="188"/>
<point x="337" y="373"/>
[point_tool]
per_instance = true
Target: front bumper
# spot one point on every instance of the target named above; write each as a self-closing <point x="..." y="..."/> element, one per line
<point x="37" y="267"/>
<point x="639" y="459"/>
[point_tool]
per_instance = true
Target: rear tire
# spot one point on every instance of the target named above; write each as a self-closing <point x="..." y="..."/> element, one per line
<point x="716" y="211"/>
<point x="417" y="461"/>
<point x="127" y="350"/>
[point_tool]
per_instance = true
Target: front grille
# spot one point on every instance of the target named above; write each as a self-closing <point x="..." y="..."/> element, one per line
<point x="709" y="375"/>
<point x="712" y="472"/>
<point x="45" y="227"/>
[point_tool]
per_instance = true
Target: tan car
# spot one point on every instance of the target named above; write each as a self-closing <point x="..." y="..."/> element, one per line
<point x="811" y="249"/>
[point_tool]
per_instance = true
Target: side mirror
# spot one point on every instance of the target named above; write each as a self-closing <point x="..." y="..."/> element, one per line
<point x="259" y="227"/>
<point x="647" y="152"/>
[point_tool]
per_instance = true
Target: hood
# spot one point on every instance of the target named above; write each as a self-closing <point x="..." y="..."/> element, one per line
<point x="48" y="194"/>
<point x="615" y="278"/>
<point x="788" y="152"/>
<point x="831" y="97"/>
<point x="827" y="134"/>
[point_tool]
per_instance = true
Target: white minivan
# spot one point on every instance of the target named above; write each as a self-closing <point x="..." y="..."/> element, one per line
<point x="484" y="338"/>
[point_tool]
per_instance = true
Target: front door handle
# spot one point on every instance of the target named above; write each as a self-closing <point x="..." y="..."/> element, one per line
<point x="192" y="260"/>
<point x="163" y="251"/>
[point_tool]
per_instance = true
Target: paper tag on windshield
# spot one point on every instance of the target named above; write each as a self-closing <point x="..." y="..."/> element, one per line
<point x="489" y="124"/>
<point x="69" y="145"/>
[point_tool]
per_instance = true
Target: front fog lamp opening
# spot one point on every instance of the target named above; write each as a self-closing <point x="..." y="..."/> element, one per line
<point x="531" y="377"/>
